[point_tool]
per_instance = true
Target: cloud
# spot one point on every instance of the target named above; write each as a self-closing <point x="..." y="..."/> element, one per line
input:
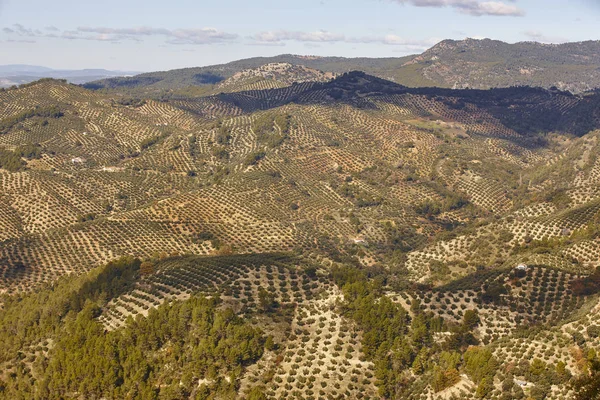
<point x="317" y="37"/>
<point x="20" y="41"/>
<point x="200" y="36"/>
<point x="282" y="35"/>
<point x="20" y="30"/>
<point x="176" y="36"/>
<point x="139" y="31"/>
<point x="203" y="36"/>
<point x="471" y="7"/>
<point x="272" y="44"/>
<point x="105" y="34"/>
<point x="394" y="40"/>
<point x="310" y="45"/>
<point x="542" y="38"/>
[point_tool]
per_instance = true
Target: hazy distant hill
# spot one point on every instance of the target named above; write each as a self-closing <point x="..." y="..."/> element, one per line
<point x="18" y="74"/>
<point x="20" y="68"/>
<point x="480" y="64"/>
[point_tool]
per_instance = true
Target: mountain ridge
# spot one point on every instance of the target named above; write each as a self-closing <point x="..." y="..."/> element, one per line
<point x="474" y="63"/>
<point x="18" y="74"/>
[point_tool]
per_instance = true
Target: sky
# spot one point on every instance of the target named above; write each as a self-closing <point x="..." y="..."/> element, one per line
<point x="152" y="35"/>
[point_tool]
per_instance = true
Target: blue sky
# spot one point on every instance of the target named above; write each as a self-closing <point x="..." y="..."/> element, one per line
<point x="154" y="35"/>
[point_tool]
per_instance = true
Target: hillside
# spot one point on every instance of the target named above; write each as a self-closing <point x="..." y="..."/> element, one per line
<point x="11" y="75"/>
<point x="482" y="64"/>
<point x="319" y="238"/>
<point x="167" y="81"/>
<point x="271" y="76"/>
<point x="470" y="63"/>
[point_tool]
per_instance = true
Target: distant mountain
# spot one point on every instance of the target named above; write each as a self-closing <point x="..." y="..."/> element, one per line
<point x="483" y="64"/>
<point x="17" y="74"/>
<point x="469" y="63"/>
<point x="212" y="75"/>
<point x="19" y="68"/>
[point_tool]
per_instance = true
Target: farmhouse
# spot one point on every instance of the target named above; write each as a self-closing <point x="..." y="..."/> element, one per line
<point x="521" y="267"/>
<point x="359" y="240"/>
<point x="78" y="160"/>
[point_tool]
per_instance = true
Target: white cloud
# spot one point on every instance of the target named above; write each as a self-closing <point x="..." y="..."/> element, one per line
<point x="201" y="36"/>
<point x="20" y="41"/>
<point x="471" y="7"/>
<point x="394" y="40"/>
<point x="542" y="38"/>
<point x="104" y="34"/>
<point x="283" y="35"/>
<point x="176" y="36"/>
<point x="20" y="30"/>
<point x="316" y="37"/>
<point x="310" y="45"/>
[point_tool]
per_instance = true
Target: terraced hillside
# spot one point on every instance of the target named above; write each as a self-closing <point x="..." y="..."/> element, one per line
<point x="354" y="237"/>
<point x="271" y="76"/>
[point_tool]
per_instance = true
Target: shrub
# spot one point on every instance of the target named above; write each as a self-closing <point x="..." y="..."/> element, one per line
<point x="593" y="331"/>
<point x="254" y="158"/>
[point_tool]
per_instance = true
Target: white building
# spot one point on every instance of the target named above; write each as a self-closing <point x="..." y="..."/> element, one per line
<point x="522" y="267"/>
<point x="78" y="160"/>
